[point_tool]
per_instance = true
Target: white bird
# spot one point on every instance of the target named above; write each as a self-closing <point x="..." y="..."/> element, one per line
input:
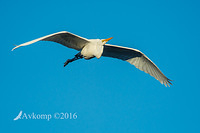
<point x="90" y="48"/>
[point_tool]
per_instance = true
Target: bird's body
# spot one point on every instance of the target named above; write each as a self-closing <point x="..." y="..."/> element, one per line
<point x="90" y="48"/>
<point x="94" y="48"/>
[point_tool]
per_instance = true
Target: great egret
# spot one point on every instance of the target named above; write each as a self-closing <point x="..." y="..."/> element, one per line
<point x="90" y="48"/>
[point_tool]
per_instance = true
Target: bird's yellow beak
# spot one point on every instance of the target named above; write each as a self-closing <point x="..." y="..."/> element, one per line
<point x="105" y="40"/>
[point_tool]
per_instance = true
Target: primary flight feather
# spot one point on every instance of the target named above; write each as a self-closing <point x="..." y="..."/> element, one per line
<point x="90" y="48"/>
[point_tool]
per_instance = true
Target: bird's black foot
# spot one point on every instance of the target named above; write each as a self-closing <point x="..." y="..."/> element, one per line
<point x="77" y="56"/>
<point x="67" y="62"/>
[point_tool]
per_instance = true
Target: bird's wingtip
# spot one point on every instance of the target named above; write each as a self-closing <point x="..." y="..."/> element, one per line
<point x="168" y="83"/>
<point x="16" y="46"/>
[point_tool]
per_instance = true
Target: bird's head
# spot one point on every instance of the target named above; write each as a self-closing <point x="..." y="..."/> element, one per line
<point x="104" y="41"/>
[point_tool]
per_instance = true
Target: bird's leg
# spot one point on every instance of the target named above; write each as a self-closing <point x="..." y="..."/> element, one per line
<point x="77" y="56"/>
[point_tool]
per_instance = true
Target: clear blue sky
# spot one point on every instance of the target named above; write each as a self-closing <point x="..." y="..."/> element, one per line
<point x="109" y="96"/>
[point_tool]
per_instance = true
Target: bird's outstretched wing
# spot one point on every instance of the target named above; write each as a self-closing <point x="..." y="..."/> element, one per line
<point x="65" y="38"/>
<point x="136" y="58"/>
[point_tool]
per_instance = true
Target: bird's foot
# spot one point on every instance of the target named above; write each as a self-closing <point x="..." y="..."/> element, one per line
<point x="77" y="56"/>
<point x="67" y="62"/>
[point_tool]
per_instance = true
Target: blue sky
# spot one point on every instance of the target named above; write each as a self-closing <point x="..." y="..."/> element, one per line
<point x="108" y="95"/>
